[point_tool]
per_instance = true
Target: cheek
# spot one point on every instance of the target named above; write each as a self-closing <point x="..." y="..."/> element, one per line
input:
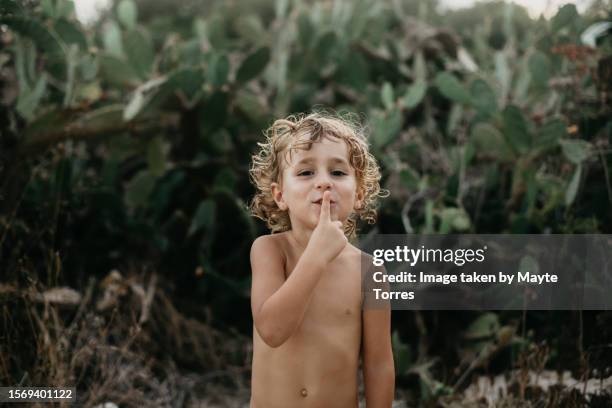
<point x="298" y="191"/>
<point x="349" y="188"/>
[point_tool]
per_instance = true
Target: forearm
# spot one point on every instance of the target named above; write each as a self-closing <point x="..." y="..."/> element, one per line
<point x="379" y="382"/>
<point x="282" y="313"/>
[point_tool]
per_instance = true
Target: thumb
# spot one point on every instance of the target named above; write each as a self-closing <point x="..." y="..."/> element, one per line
<point x="324" y="216"/>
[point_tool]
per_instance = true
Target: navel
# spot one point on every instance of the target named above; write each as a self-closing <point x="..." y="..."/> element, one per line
<point x="347" y="312"/>
<point x="304" y="392"/>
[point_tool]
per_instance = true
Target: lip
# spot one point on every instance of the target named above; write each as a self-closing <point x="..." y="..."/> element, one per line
<point x="320" y="202"/>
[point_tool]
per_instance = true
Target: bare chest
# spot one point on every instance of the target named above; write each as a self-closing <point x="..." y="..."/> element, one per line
<point x="336" y="300"/>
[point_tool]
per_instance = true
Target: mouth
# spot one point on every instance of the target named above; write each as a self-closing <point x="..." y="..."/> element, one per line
<point x="320" y="201"/>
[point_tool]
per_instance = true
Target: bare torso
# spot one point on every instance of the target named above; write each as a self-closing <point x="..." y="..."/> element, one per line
<point x="318" y="365"/>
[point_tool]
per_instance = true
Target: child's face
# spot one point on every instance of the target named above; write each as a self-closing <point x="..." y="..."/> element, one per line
<point x="310" y="173"/>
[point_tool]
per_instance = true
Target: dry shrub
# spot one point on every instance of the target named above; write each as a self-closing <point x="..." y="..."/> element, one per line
<point x="125" y="343"/>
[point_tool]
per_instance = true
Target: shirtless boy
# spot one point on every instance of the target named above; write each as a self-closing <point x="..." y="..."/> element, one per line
<point x="315" y="178"/>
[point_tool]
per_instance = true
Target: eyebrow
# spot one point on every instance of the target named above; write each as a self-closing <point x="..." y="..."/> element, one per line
<point x="334" y="160"/>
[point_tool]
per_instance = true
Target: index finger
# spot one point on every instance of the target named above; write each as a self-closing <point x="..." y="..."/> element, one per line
<point x="325" y="207"/>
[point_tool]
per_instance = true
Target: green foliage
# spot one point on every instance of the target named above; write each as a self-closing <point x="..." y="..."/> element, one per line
<point x="483" y="97"/>
<point x="139" y="49"/>
<point x="214" y="80"/>
<point x="488" y="140"/>
<point x="46" y="40"/>
<point x="516" y="130"/>
<point x="567" y="16"/>
<point x="575" y="151"/>
<point x="451" y="87"/>
<point x="402" y="355"/>
<point x="127" y="14"/>
<point x="539" y="67"/>
<point x="253" y="65"/>
<point x="415" y="94"/>
<point x="485" y="326"/>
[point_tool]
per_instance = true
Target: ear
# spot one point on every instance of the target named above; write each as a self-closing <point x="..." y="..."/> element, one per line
<point x="359" y="199"/>
<point x="277" y="195"/>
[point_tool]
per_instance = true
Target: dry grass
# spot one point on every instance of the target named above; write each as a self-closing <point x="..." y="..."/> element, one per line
<point x="123" y="342"/>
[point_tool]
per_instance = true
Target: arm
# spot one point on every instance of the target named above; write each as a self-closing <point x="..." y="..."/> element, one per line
<point x="278" y="306"/>
<point x="378" y="367"/>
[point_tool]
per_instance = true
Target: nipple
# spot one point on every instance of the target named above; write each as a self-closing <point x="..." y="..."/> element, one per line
<point x="304" y="392"/>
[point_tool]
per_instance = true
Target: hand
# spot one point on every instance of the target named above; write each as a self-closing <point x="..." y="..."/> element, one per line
<point x="327" y="239"/>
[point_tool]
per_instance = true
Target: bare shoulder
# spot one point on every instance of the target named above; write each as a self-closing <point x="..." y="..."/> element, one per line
<point x="355" y="254"/>
<point x="352" y="250"/>
<point x="265" y="243"/>
<point x="355" y="257"/>
<point x="269" y="246"/>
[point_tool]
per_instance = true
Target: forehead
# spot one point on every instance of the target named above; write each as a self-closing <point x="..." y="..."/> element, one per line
<point x="324" y="149"/>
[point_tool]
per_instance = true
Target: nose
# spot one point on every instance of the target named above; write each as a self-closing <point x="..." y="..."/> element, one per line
<point x="323" y="183"/>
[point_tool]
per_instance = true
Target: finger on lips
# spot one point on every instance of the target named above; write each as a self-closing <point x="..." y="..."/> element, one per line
<point x="325" y="205"/>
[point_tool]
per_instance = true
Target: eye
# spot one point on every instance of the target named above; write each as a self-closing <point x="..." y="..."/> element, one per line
<point x="305" y="173"/>
<point x="338" y="173"/>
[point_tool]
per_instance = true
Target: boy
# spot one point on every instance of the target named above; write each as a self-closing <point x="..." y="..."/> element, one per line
<point x="315" y="178"/>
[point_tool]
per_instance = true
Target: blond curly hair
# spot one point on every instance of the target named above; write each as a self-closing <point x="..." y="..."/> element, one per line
<point x="300" y="132"/>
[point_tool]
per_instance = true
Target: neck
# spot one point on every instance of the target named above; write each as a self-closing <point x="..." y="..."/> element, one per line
<point x="300" y="236"/>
